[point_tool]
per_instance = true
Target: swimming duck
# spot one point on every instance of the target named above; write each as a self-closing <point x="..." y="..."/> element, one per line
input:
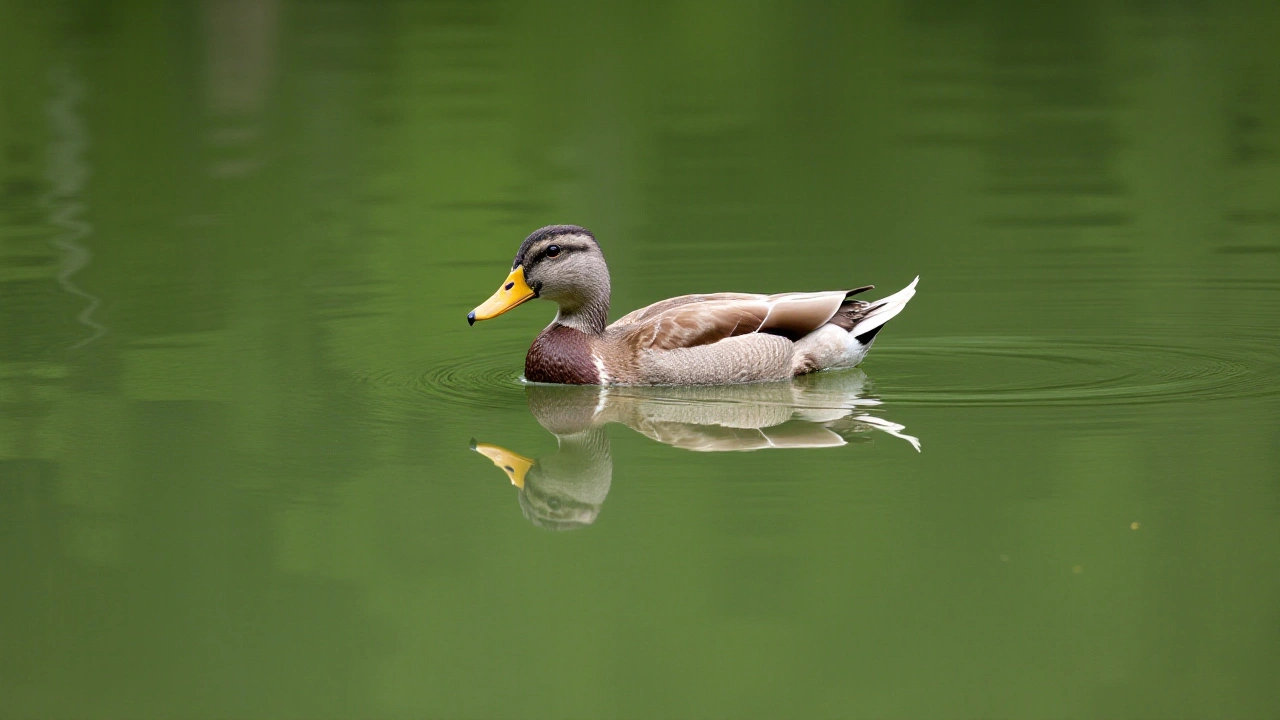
<point x="712" y="339"/>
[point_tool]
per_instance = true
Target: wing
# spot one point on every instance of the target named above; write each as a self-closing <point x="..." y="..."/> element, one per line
<point x="656" y="309"/>
<point x="693" y="320"/>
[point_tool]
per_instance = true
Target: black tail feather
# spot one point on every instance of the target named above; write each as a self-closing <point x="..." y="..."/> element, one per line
<point x="866" y="337"/>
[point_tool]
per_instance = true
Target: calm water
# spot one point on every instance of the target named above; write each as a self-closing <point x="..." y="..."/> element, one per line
<point x="238" y="239"/>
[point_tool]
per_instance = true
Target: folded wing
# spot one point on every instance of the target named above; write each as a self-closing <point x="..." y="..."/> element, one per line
<point x="693" y="320"/>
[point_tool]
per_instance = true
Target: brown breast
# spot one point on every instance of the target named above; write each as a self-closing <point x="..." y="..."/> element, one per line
<point x="561" y="355"/>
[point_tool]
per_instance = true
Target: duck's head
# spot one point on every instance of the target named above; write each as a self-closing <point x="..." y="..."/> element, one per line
<point x="561" y="263"/>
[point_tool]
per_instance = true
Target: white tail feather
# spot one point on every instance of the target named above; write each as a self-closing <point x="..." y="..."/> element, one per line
<point x="885" y="309"/>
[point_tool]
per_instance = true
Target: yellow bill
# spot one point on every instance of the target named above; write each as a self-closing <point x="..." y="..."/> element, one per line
<point x="515" y="466"/>
<point x="514" y="291"/>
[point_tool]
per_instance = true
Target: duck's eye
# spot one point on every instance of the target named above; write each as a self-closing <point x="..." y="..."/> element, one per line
<point x="553" y="250"/>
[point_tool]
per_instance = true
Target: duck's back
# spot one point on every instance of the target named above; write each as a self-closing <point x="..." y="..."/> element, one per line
<point x="691" y="320"/>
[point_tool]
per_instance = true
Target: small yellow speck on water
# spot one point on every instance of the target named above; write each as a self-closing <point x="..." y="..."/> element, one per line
<point x="1077" y="569"/>
<point x="1135" y="525"/>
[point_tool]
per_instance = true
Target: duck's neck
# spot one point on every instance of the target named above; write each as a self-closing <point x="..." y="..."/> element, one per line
<point x="589" y="315"/>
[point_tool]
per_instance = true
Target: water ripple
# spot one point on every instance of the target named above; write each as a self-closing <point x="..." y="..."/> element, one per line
<point x="471" y="381"/>
<point x="67" y="173"/>
<point x="1007" y="371"/>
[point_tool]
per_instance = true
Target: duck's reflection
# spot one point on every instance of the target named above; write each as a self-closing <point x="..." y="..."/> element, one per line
<point x="565" y="490"/>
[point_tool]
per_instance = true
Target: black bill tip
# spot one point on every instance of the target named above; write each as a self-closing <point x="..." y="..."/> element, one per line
<point x="471" y="318"/>
<point x="473" y="443"/>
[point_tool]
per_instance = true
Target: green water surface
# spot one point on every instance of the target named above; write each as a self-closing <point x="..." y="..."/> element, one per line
<point x="238" y="239"/>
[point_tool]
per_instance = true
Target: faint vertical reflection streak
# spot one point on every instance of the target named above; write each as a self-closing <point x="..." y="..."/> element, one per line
<point x="66" y="173"/>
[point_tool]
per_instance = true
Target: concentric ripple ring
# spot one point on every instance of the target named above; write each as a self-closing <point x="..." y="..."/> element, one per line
<point x="1105" y="371"/>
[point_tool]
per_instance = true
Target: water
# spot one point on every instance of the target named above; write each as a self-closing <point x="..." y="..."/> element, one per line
<point x="238" y="240"/>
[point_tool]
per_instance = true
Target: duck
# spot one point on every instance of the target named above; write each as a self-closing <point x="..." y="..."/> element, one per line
<point x="709" y="339"/>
